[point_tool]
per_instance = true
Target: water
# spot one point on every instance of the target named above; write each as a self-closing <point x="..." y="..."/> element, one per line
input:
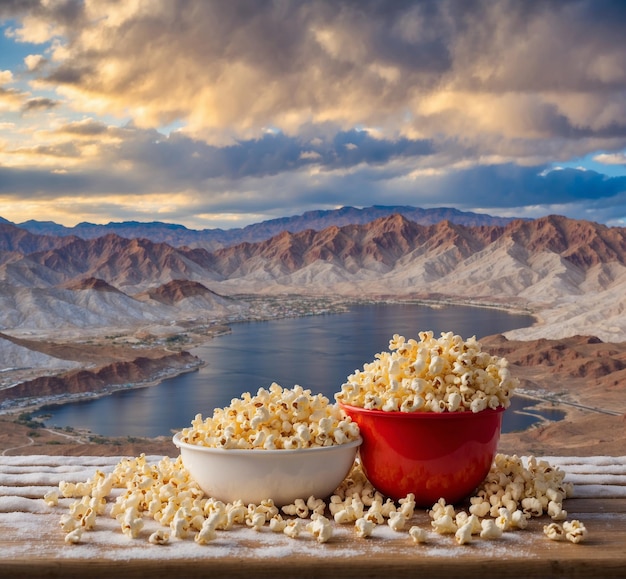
<point x="317" y="352"/>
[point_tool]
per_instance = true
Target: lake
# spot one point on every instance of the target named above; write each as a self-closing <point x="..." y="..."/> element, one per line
<point x="317" y="352"/>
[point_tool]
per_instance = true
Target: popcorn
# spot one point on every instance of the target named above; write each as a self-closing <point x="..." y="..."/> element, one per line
<point x="74" y="536"/>
<point x="364" y="527"/>
<point x="274" y="418"/>
<point x="131" y="522"/>
<point x="277" y="524"/>
<point x="207" y="533"/>
<point x="575" y="531"/>
<point x="418" y="534"/>
<point x="320" y="528"/>
<point x="180" y="523"/>
<point x="462" y="518"/>
<point x="503" y="519"/>
<point x="489" y="529"/>
<point x="256" y="521"/>
<point x="533" y="489"/>
<point x="444" y="525"/>
<point x="298" y="508"/>
<point x="51" y="498"/>
<point x="513" y="491"/>
<point x="519" y="520"/>
<point x="68" y="523"/>
<point x="463" y="534"/>
<point x="439" y="509"/>
<point x="554" y="532"/>
<point x="396" y="521"/>
<point x="159" y="537"/>
<point x="430" y="375"/>
<point x="407" y="506"/>
<point x="556" y="511"/>
<point x="293" y="528"/>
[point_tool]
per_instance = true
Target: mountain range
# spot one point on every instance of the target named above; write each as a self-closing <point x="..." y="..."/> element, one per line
<point x="571" y="274"/>
<point x="211" y="239"/>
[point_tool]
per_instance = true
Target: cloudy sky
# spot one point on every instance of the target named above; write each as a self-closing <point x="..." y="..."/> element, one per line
<point x="214" y="113"/>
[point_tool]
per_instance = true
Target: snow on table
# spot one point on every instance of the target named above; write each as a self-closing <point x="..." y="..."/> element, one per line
<point x="33" y="543"/>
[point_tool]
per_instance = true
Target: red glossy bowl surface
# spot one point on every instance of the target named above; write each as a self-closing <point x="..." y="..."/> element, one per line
<point x="432" y="455"/>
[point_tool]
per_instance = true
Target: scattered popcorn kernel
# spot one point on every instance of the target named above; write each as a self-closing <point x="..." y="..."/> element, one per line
<point x="440" y="508"/>
<point x="364" y="527"/>
<point x="463" y="534"/>
<point x="206" y="534"/>
<point x="88" y="520"/>
<point x="480" y="507"/>
<point x="575" y="531"/>
<point x="68" y="523"/>
<point x="159" y="537"/>
<point x="321" y="528"/>
<point x="74" y="536"/>
<point x="277" y="524"/>
<point x="519" y="520"/>
<point x="67" y="489"/>
<point x="462" y="518"/>
<point x="293" y="528"/>
<point x="131" y="522"/>
<point x="344" y="516"/>
<point x="489" y="529"/>
<point x="556" y="511"/>
<point x="396" y="521"/>
<point x="51" y="498"/>
<point x="407" y="506"/>
<point x="503" y="520"/>
<point x="257" y="521"/>
<point x="444" y="525"/>
<point x="417" y="534"/>
<point x="554" y="532"/>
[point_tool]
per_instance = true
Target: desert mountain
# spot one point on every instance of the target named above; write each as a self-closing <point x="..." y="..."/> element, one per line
<point x="572" y="274"/>
<point x="211" y="239"/>
<point x="15" y="241"/>
<point x="176" y="291"/>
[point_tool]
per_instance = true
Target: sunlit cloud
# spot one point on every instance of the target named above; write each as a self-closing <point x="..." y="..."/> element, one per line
<point x="283" y="107"/>
<point x="611" y="159"/>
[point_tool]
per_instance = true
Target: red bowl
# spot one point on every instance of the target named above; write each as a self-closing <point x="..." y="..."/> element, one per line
<point x="430" y="454"/>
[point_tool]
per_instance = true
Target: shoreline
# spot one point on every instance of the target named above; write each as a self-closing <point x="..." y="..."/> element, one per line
<point x="61" y="399"/>
<point x="342" y="303"/>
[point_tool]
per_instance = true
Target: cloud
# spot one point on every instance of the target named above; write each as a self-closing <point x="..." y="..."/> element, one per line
<point x="235" y="66"/>
<point x="611" y="159"/>
<point x="280" y="106"/>
<point x="35" y="62"/>
<point x="180" y="158"/>
<point x="39" y="104"/>
<point x="84" y="128"/>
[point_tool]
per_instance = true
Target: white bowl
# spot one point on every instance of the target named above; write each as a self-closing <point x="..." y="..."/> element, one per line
<point x="256" y="475"/>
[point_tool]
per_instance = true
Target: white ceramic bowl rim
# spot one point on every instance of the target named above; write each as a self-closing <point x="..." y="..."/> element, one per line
<point x="259" y="451"/>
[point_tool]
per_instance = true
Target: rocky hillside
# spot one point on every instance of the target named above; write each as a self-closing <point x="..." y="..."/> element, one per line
<point x="571" y="273"/>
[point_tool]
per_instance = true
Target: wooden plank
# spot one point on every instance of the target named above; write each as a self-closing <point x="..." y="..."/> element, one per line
<point x="33" y="544"/>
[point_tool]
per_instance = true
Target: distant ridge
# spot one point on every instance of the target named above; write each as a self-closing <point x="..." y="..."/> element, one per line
<point x="211" y="239"/>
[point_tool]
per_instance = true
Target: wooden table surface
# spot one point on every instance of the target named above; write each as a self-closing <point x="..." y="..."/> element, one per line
<point x="32" y="543"/>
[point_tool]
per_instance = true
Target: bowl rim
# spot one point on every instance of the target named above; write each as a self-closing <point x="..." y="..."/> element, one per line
<point x="425" y="414"/>
<point x="263" y="451"/>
